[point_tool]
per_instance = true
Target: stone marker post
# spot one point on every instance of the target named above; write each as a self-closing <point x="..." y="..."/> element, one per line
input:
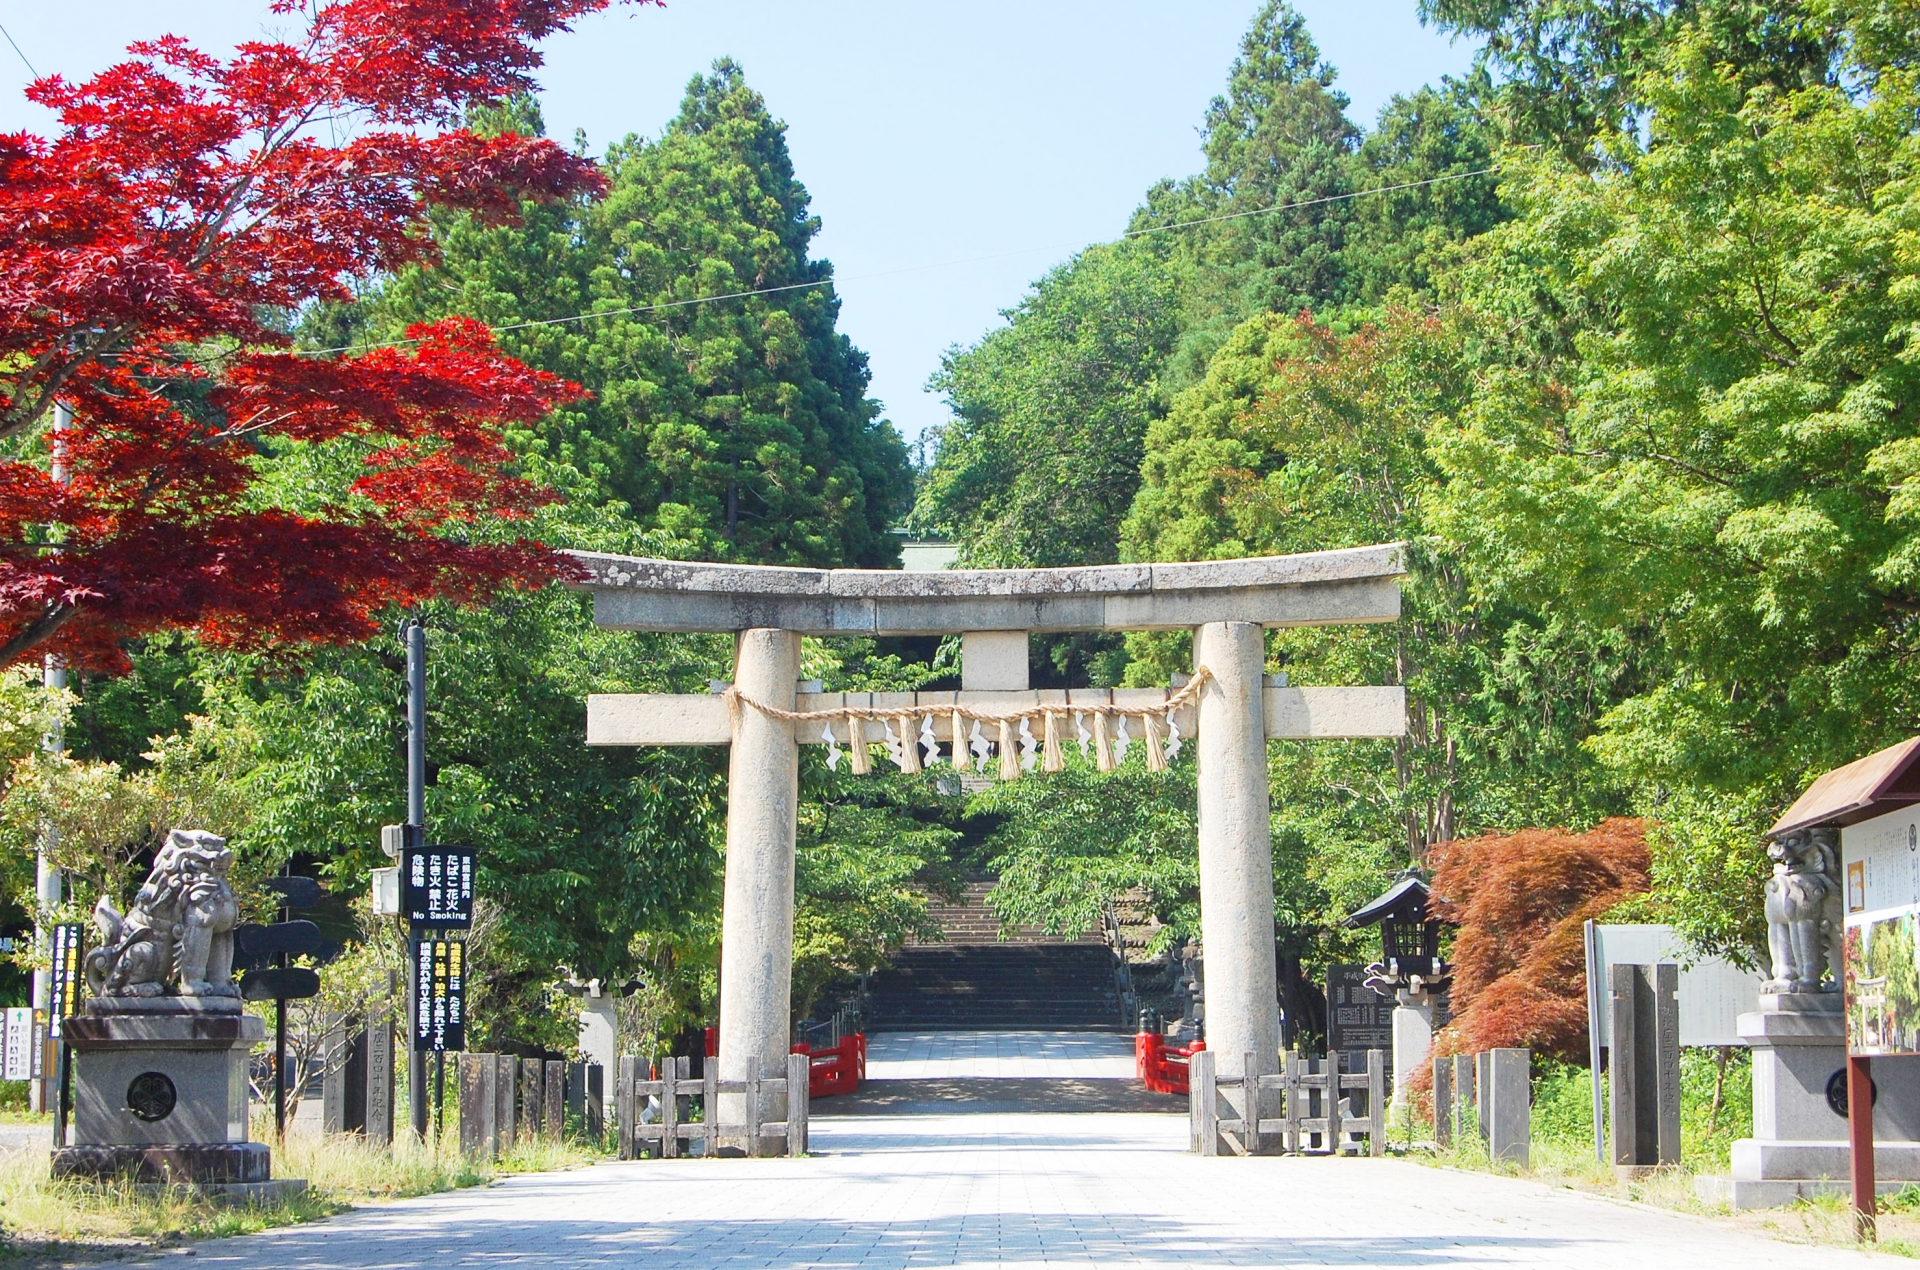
<point x="343" y="1085"/>
<point x="756" y="939"/>
<point x="1507" y="1104"/>
<point x="533" y="1097"/>
<point x="1443" y="1103"/>
<point x="1466" y="1115"/>
<point x="476" y="1105"/>
<point x="553" y="1121"/>
<point x="1643" y="1065"/>
<point x="506" y="1080"/>
<point x="1236" y="855"/>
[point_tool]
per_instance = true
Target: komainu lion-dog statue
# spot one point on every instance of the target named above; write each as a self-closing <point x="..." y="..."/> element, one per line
<point x="178" y="937"/>
<point x="1804" y="913"/>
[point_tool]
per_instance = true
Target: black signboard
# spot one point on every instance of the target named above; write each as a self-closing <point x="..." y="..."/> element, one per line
<point x="440" y="996"/>
<point x="436" y="887"/>
<point x="68" y="979"/>
<point x="280" y="983"/>
<point x="1358" y="1018"/>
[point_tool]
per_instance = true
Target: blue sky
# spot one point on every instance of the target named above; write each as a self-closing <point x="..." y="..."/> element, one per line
<point x="953" y="153"/>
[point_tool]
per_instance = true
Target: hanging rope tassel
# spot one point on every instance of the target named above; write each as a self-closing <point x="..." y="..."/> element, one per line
<point x="1009" y="754"/>
<point x="1050" y="757"/>
<point x="1102" y="747"/>
<point x="1156" y="757"/>
<point x="959" y="756"/>
<point x="908" y="754"/>
<point x="861" y="763"/>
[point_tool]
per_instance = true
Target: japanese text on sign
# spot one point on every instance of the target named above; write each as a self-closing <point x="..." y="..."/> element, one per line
<point x="436" y="886"/>
<point x="440" y="996"/>
<point x="66" y="974"/>
<point x="1358" y="1018"/>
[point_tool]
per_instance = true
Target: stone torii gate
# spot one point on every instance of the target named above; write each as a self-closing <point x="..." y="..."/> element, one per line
<point x="1228" y="707"/>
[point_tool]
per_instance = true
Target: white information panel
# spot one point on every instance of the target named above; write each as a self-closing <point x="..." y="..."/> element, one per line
<point x="1714" y="992"/>
<point x="1880" y="887"/>
<point x="19" y="1043"/>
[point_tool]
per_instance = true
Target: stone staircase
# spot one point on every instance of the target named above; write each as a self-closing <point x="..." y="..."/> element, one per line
<point x="974" y="980"/>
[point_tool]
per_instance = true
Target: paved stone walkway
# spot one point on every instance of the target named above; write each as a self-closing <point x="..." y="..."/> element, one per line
<point x="1090" y="1190"/>
<point x="999" y="1055"/>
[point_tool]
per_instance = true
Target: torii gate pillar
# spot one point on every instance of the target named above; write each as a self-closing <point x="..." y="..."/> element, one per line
<point x="1236" y="853"/>
<point x="756" y="928"/>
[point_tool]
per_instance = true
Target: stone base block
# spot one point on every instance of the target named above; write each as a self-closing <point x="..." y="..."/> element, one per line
<point x="1757" y="1160"/>
<point x="202" y="1164"/>
<point x="234" y="1194"/>
<point x="1741" y="1193"/>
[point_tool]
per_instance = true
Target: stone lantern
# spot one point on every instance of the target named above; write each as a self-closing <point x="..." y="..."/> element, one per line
<point x="1410" y="968"/>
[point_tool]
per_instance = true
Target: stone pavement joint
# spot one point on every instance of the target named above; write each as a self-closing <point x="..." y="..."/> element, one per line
<point x="1089" y="1190"/>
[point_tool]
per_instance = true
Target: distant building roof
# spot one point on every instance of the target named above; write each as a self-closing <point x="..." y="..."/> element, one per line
<point x="1859" y="791"/>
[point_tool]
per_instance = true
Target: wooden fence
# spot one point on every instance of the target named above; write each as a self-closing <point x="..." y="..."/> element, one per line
<point x="504" y="1099"/>
<point x="677" y="1091"/>
<point x="1305" y="1091"/>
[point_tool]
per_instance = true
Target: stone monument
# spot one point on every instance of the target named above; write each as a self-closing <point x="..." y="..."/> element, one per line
<point x="160" y="1053"/>
<point x="1799" y="1146"/>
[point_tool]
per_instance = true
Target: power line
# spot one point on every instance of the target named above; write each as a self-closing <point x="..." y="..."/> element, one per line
<point x="944" y="264"/>
<point x="23" y="56"/>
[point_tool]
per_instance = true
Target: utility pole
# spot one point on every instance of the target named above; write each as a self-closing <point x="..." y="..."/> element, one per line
<point x="416" y="836"/>
<point x="47" y="883"/>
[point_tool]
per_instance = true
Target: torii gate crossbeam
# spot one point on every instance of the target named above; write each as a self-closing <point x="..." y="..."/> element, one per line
<point x="1231" y="714"/>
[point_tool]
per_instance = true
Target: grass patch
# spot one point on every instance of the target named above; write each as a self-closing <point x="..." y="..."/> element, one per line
<point x="67" y="1222"/>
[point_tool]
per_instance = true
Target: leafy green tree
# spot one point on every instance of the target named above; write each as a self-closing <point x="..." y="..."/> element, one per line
<point x="1269" y="214"/>
<point x="1043" y="456"/>
<point x="1573" y="68"/>
<point x="1703" y="432"/>
<point x="1407" y="237"/>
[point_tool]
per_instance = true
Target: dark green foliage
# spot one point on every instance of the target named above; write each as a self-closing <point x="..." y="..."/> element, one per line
<point x="741" y="427"/>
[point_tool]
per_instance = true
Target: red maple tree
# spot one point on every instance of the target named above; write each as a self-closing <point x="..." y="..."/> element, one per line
<point x="1521" y="902"/>
<point x="153" y="252"/>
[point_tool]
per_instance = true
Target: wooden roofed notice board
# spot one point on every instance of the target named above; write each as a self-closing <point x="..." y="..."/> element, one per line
<point x="1875" y="803"/>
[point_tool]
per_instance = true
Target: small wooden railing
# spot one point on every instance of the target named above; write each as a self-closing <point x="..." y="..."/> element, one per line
<point x="674" y="1086"/>
<point x="1305" y="1091"/>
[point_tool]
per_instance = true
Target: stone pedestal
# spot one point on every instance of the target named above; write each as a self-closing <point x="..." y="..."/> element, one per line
<point x="1412" y="1043"/>
<point x="160" y="1096"/>
<point x="1799" y="1143"/>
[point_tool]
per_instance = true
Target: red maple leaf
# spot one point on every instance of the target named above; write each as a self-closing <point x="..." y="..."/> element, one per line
<point x="185" y="205"/>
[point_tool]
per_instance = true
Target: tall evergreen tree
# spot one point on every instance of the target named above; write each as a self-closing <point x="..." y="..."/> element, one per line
<point x="741" y="426"/>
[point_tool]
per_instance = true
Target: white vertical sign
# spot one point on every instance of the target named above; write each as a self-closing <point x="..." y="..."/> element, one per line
<point x="19" y="1043"/>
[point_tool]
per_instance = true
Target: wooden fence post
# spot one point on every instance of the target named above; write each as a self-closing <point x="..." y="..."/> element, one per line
<point x="752" y="1125"/>
<point x="533" y="1076"/>
<point x="1295" y="1094"/>
<point x="506" y="1082"/>
<point x="799" y="1101"/>
<point x="710" y="1106"/>
<point x="1250" y="1099"/>
<point x="1205" y="1107"/>
<point x="473" y="1101"/>
<point x="1335" y="1129"/>
<point x="626" y="1110"/>
<point x="553" y="1125"/>
<point x="1376" y="1103"/>
<point x="596" y="1111"/>
<point x="673" y="1074"/>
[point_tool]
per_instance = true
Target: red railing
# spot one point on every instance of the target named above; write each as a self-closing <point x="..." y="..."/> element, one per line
<point x="1161" y="1068"/>
<point x="838" y="1069"/>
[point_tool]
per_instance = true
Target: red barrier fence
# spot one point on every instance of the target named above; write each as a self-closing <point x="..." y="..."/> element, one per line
<point x="838" y="1069"/>
<point x="1162" y="1069"/>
